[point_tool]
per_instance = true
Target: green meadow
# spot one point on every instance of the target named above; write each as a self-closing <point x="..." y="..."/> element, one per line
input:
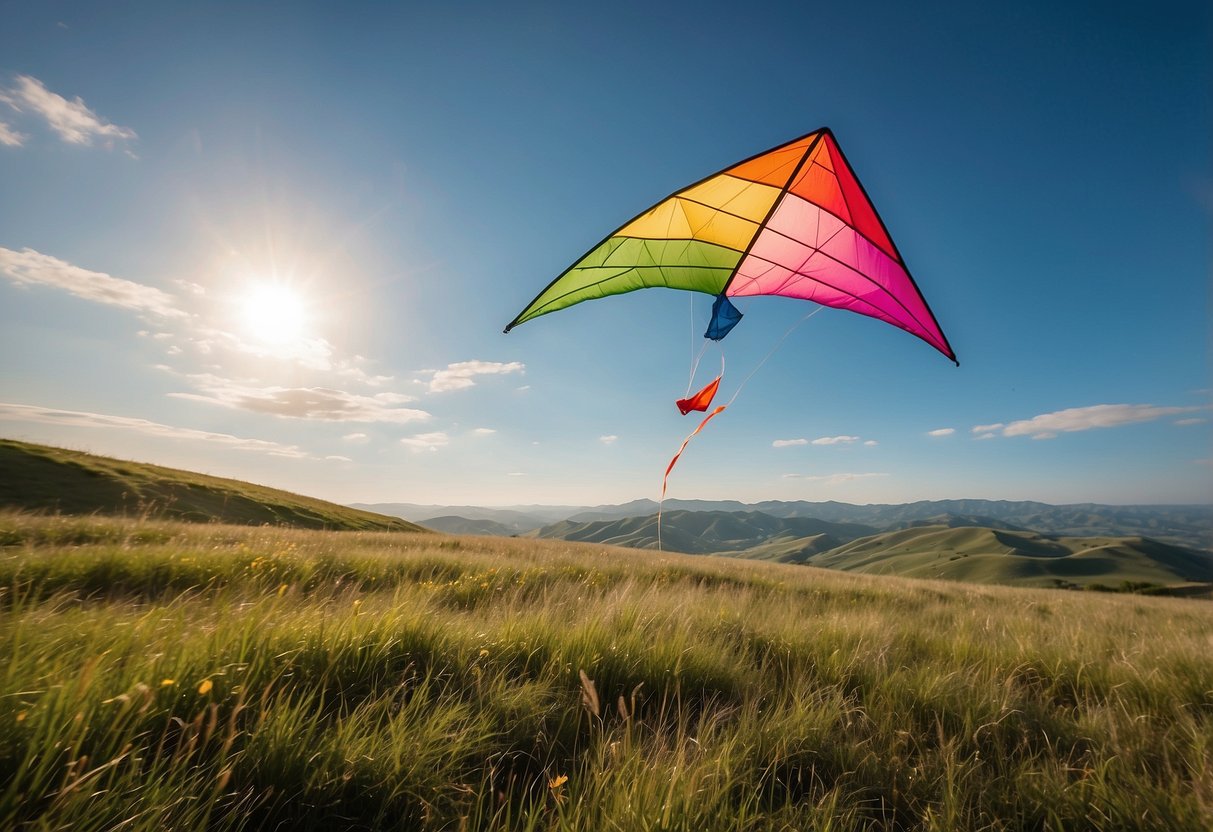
<point x="163" y="675"/>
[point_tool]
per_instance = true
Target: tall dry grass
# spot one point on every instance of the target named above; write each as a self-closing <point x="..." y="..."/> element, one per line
<point x="169" y="676"/>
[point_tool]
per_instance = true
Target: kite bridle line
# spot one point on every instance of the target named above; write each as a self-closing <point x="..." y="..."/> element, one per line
<point x="720" y="408"/>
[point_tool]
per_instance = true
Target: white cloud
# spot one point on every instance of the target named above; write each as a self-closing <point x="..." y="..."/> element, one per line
<point x="10" y="137"/>
<point x="462" y="374"/>
<point x="338" y="458"/>
<point x="72" y="121"/>
<point x="319" y="403"/>
<point x="834" y="440"/>
<point x="941" y="432"/>
<point x="75" y="418"/>
<point x="987" y="428"/>
<point x="355" y="437"/>
<point x="788" y="443"/>
<point x="835" y="479"/>
<point x="516" y="474"/>
<point x="311" y="353"/>
<point x="484" y="431"/>
<point x="609" y="439"/>
<point x="871" y="443"/>
<point x="1186" y="422"/>
<point x="28" y="268"/>
<point x="426" y="441"/>
<point x="1048" y="425"/>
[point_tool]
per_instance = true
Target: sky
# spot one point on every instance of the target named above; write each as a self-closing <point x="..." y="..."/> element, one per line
<point x="280" y="241"/>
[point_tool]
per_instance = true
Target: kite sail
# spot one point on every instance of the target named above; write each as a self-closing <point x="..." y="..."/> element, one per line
<point x="793" y="221"/>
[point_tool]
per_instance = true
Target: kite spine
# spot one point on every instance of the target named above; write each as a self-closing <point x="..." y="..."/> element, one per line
<point x="787" y="186"/>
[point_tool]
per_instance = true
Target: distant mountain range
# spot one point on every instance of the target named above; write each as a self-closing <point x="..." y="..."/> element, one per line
<point x="1188" y="526"/>
<point x="980" y="541"/>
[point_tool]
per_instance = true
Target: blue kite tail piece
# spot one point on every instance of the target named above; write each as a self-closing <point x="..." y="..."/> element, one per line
<point x="725" y="316"/>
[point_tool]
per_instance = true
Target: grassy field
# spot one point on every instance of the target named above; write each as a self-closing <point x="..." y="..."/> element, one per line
<point x="44" y="478"/>
<point x="161" y="675"/>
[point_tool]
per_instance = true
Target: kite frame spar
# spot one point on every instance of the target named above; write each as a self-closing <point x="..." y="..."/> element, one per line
<point x="817" y="136"/>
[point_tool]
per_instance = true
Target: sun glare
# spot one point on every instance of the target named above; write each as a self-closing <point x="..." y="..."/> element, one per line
<point x="274" y="313"/>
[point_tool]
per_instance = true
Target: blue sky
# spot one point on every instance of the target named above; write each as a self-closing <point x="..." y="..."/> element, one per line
<point x="280" y="243"/>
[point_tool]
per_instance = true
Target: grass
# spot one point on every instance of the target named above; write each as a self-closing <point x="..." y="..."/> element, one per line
<point x="161" y="675"/>
<point x="44" y="478"/>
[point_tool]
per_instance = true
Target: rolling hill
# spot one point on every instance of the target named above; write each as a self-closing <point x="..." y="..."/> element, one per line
<point x="1190" y="526"/>
<point x="452" y="524"/>
<point x="1000" y="556"/>
<point x="701" y="532"/>
<point x="39" y="477"/>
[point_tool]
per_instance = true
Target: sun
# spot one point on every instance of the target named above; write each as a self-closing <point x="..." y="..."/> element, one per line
<point x="274" y="313"/>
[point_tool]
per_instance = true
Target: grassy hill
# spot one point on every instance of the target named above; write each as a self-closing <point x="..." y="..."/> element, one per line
<point x="72" y="482"/>
<point x="1002" y="556"/>
<point x="462" y="525"/>
<point x="699" y="532"/>
<point x="163" y="675"/>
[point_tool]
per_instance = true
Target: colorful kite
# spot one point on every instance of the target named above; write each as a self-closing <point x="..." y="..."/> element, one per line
<point x="793" y="221"/>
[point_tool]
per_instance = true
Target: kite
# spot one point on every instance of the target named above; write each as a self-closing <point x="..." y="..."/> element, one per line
<point x="792" y="221"/>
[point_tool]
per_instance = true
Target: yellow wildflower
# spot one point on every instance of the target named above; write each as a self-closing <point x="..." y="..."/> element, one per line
<point x="167" y="683"/>
<point x="558" y="781"/>
<point x="205" y="687"/>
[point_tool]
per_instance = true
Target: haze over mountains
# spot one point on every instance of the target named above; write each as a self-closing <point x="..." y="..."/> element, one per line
<point x="1190" y="525"/>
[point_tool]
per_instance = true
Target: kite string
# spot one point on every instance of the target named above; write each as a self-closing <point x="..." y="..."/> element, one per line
<point x="695" y="365"/>
<point x="665" y="480"/>
<point x="770" y="353"/>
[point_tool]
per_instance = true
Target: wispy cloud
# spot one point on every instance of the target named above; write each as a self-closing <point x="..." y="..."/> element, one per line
<point x="941" y="432"/>
<point x="484" y="431"/>
<point x="338" y="458"/>
<point x="426" y="441"/>
<point x="81" y="419"/>
<point x="835" y="479"/>
<point x="1074" y="419"/>
<point x="30" y="268"/>
<point x="462" y="374"/>
<point x="609" y="439"/>
<point x="871" y="443"/>
<point x="71" y="120"/>
<point x="10" y="137"/>
<point x="355" y="437"/>
<point x="1186" y="422"/>
<point x="820" y="441"/>
<point x="317" y="403"/>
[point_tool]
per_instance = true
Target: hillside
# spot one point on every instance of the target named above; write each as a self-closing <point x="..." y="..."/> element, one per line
<point x="451" y="524"/>
<point x="206" y="678"/>
<point x="700" y="532"/>
<point x="39" y="477"/>
<point x="1001" y="556"/>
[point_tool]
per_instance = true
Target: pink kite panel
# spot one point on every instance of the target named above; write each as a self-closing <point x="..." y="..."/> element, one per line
<point x="757" y="277"/>
<point x="816" y="257"/>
